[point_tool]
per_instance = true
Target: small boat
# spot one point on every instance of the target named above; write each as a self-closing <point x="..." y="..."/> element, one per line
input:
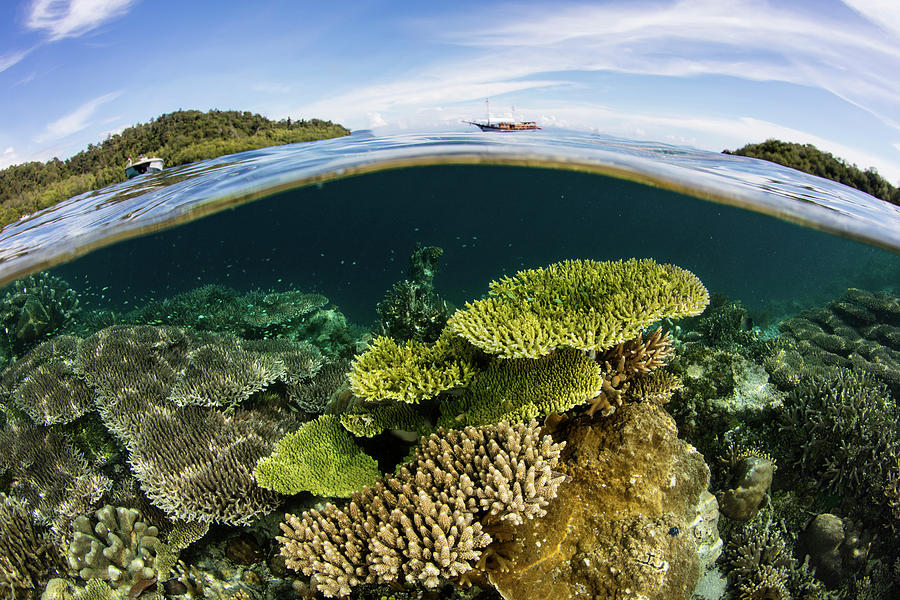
<point x="142" y="166"/>
<point x="503" y="125"/>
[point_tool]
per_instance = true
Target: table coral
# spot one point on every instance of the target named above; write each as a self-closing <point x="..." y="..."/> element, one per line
<point x="582" y="304"/>
<point x="320" y="458"/>
<point x="626" y="524"/>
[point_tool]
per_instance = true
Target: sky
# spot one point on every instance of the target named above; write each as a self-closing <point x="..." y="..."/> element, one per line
<point x="711" y="74"/>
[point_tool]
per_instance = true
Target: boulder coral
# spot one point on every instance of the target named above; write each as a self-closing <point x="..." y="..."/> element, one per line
<point x="631" y="521"/>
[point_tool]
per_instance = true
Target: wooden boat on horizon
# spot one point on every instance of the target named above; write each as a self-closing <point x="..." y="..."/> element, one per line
<point x="503" y="125"/>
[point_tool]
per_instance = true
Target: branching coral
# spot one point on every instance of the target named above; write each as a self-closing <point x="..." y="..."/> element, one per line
<point x="44" y="385"/>
<point x="320" y="458"/>
<point x="27" y="560"/>
<point x="582" y="304"/>
<point x="115" y="545"/>
<point x="425" y="523"/>
<point x="311" y="395"/>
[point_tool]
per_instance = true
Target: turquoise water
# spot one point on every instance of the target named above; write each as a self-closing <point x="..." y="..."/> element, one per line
<point x="340" y="218"/>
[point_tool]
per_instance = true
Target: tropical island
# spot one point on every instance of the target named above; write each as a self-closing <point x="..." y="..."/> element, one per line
<point x="180" y="137"/>
<point x="809" y="159"/>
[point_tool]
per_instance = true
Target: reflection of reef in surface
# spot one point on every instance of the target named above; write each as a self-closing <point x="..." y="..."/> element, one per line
<point x="625" y="524"/>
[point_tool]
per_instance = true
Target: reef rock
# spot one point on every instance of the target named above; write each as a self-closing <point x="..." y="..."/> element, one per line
<point x="753" y="478"/>
<point x="633" y="519"/>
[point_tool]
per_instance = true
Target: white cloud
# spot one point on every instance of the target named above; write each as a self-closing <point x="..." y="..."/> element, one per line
<point x="8" y="157"/>
<point x="71" y="18"/>
<point x="75" y="121"/>
<point x="884" y="13"/>
<point x="11" y="58"/>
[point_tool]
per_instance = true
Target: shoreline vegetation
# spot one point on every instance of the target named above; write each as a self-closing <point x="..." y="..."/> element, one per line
<point x="809" y="159"/>
<point x="180" y="137"/>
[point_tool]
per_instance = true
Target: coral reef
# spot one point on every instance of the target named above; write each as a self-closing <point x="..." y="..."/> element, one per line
<point x="412" y="310"/>
<point x="632" y="520"/>
<point x="411" y="372"/>
<point x="320" y="458"/>
<point x="43" y="383"/>
<point x="429" y="521"/>
<point x="312" y="395"/>
<point x="842" y="426"/>
<point x="835" y="547"/>
<point x="582" y="304"/>
<point x="34" y="308"/>
<point x="860" y="331"/>
<point x="368" y="419"/>
<point x="115" y="545"/>
<point x="27" y="560"/>
<point x="49" y="473"/>
<point x="521" y="389"/>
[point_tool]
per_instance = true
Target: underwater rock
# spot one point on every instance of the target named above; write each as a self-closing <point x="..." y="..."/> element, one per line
<point x="243" y="550"/>
<point x="624" y="525"/>
<point x="752" y="479"/>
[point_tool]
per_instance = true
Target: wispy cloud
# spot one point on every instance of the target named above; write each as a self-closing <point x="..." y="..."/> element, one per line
<point x="10" y="58"/>
<point x="750" y="40"/>
<point x="71" y="18"/>
<point x="75" y="121"/>
<point x="884" y="13"/>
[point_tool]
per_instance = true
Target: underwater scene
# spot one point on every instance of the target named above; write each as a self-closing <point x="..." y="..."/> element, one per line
<point x="456" y="366"/>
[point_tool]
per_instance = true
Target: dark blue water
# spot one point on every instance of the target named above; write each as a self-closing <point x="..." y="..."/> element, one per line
<point x="350" y="239"/>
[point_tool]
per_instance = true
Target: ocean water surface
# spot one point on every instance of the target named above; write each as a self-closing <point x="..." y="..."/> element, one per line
<point x="143" y="372"/>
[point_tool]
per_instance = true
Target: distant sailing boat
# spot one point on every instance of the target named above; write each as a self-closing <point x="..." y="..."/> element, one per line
<point x="503" y="125"/>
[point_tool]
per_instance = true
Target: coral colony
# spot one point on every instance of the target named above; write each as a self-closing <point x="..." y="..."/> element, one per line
<point x="515" y="448"/>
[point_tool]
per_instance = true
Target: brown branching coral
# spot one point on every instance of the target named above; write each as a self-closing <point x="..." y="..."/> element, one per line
<point x="427" y="523"/>
<point x="43" y="383"/>
<point x="759" y="563"/>
<point x="27" y="560"/>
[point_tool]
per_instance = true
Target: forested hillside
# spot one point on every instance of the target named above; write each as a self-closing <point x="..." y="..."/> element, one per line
<point x="808" y="158"/>
<point x="178" y="138"/>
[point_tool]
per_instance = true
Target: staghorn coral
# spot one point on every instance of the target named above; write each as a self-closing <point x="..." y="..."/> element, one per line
<point x="759" y="563"/>
<point x="411" y="310"/>
<point x="582" y="304"/>
<point x="860" y="331"/>
<point x="842" y="426"/>
<point x="43" y="383"/>
<point x="411" y="372"/>
<point x="34" y="308"/>
<point x="116" y="545"/>
<point x="522" y="389"/>
<point x="27" y="560"/>
<point x="427" y="523"/>
<point x="633" y="519"/>
<point x="320" y="458"/>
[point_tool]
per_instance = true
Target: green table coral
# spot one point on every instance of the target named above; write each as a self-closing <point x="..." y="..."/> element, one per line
<point x="581" y="304"/>
<point x="320" y="458"/>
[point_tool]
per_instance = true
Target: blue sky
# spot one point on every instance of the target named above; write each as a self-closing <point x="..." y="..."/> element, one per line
<point x="707" y="73"/>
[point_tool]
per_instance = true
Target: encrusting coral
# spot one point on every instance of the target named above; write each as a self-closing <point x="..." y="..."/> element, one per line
<point x="582" y="304"/>
<point x="116" y="545"/>
<point x="632" y="519"/>
<point x="430" y="521"/>
<point x="321" y="458"/>
<point x="43" y="383"/>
